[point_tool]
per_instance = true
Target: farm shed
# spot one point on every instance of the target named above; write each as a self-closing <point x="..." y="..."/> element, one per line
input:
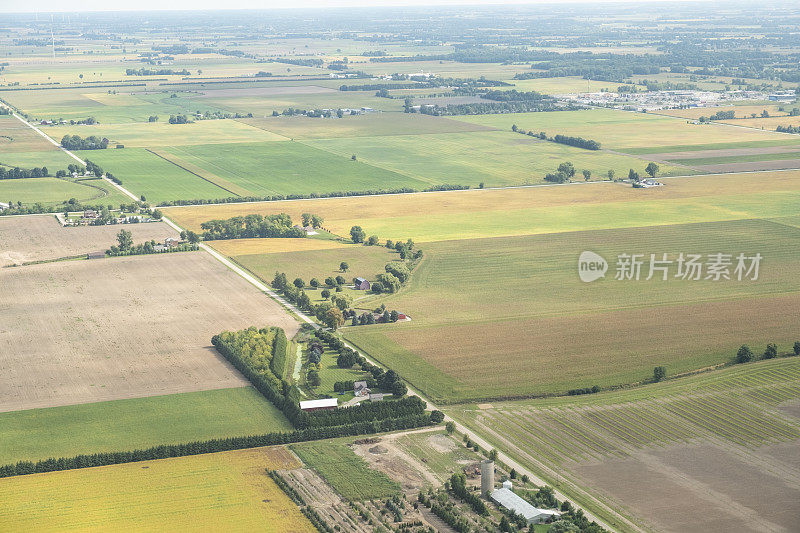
<point x="327" y="404"/>
<point x="361" y="284"/>
<point x="95" y="255"/>
<point x="505" y="497"/>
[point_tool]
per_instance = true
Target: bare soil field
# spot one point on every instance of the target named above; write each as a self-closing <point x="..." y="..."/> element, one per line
<point x="17" y="137"/>
<point x="266" y="91"/>
<point x="705" y="482"/>
<point x="749" y="166"/>
<point x="85" y="331"/>
<point x="37" y="238"/>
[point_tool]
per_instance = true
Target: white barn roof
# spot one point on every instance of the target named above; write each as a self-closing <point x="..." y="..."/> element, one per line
<point x="317" y="404"/>
<point x="512" y="502"/>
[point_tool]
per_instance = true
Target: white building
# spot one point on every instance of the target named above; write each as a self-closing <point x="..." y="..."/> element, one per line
<point x="322" y="404"/>
<point x="506" y="498"/>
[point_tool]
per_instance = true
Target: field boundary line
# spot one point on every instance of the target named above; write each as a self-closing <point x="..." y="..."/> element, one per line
<point x="168" y="160"/>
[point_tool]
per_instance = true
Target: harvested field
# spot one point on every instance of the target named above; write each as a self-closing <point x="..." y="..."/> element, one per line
<point x="142" y="327"/>
<point x="491" y="213"/>
<point x="37" y="238"/>
<point x="715" y="444"/>
<point x="750" y="166"/>
<point x="236" y="247"/>
<point x="228" y="491"/>
<point x="15" y="136"/>
<point x="727" y="152"/>
<point x="361" y="125"/>
<point x="265" y="91"/>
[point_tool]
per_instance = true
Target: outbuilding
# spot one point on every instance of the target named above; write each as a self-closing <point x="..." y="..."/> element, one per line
<point x="506" y="498"/>
<point x="361" y="284"/>
<point x="323" y="404"/>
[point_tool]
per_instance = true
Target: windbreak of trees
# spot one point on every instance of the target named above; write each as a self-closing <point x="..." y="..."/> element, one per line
<point x="578" y="142"/>
<point x="18" y="173"/>
<point x="251" y="226"/>
<point x="337" y="194"/>
<point x="92" y="142"/>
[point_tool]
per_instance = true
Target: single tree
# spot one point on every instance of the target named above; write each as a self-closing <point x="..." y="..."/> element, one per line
<point x="314" y="282"/>
<point x="659" y="373"/>
<point x="771" y="352"/>
<point x="357" y="234"/>
<point x="567" y="168"/>
<point x="744" y="355"/>
<point x="299" y="283"/>
<point x="313" y="378"/>
<point x="125" y="240"/>
<point x="610" y="175"/>
<point x="334" y="318"/>
<point x="651" y="169"/>
<point x="493" y="454"/>
<point x="450" y="427"/>
<point x="797" y="347"/>
<point x="325" y="294"/>
<point x="344" y="266"/>
<point x="587" y="174"/>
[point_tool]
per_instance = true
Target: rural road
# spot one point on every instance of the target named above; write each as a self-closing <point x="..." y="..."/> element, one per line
<point x="461" y="428"/>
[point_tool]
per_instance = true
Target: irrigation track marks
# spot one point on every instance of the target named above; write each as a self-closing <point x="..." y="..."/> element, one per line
<point x="511" y="463"/>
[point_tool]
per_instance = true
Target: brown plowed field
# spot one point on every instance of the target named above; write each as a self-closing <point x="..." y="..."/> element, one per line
<point x="84" y="331"/>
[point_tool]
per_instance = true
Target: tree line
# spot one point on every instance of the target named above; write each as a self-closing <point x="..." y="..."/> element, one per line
<point x="21" y="173"/>
<point x="337" y="194"/>
<point x="156" y="72"/>
<point x="746" y="355"/>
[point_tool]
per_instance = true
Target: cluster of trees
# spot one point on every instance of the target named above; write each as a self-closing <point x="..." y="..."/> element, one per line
<point x="579" y="142"/>
<point x="422" y="82"/>
<point x="178" y="119"/>
<point x="367" y="319"/>
<point x="788" y="129"/>
<point x="746" y="355"/>
<point x="37" y="208"/>
<point x="92" y="142"/>
<point x="723" y="115"/>
<point x="586" y="390"/>
<point x="310" y="219"/>
<point x="491" y="108"/>
<point x="5" y="111"/>
<point x="329" y="313"/>
<point x="458" y="485"/>
<point x="125" y="246"/>
<point x="19" y="173"/>
<point x="156" y="72"/>
<point x="251" y="226"/>
<point x="442" y="507"/>
<point x="564" y="173"/>
<point x="515" y="96"/>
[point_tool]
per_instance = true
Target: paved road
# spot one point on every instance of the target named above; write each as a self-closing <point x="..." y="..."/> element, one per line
<point x="504" y="458"/>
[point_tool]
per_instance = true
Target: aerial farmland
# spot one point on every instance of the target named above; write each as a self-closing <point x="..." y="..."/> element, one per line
<point x="400" y="269"/>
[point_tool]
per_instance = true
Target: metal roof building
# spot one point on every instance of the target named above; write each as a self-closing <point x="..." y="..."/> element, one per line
<point x="512" y="502"/>
<point x="324" y="403"/>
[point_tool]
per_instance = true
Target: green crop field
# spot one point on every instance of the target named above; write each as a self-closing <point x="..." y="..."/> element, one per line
<point x="629" y="132"/>
<point x="495" y="158"/>
<point x="52" y="159"/>
<point x="145" y="173"/>
<point x="227" y="490"/>
<point x="54" y="191"/>
<point x="488" y="323"/>
<point x="123" y="425"/>
<point x="346" y="472"/>
<point x="290" y="167"/>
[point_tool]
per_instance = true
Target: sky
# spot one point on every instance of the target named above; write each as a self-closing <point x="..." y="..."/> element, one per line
<point x="50" y="6"/>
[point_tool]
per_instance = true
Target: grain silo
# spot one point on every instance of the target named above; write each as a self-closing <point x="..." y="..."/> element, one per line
<point x="487" y="477"/>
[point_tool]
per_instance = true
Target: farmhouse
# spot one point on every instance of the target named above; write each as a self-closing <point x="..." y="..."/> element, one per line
<point x="505" y="497"/>
<point x="360" y="388"/>
<point x="360" y="284"/>
<point x="90" y="213"/>
<point x="171" y="242"/>
<point x="324" y="404"/>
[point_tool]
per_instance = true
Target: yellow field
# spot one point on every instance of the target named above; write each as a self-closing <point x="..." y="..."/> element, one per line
<point x="534" y="210"/>
<point x="272" y="246"/>
<point x="227" y="491"/>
